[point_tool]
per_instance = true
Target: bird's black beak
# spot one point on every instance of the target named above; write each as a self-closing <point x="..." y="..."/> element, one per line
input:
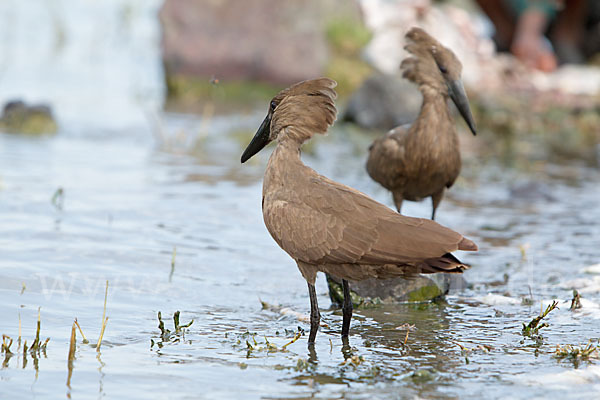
<point x="260" y="140"/>
<point x="456" y="90"/>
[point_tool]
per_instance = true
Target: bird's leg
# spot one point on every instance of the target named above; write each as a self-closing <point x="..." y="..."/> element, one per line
<point x="398" y="201"/>
<point x="312" y="354"/>
<point x="436" y="198"/>
<point x="315" y="315"/>
<point x="346" y="349"/>
<point x="346" y="309"/>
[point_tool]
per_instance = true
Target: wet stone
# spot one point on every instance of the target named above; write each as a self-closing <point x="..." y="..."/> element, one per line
<point x="19" y="117"/>
<point x="422" y="288"/>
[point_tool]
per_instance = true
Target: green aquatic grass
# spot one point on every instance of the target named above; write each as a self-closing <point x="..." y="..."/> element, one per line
<point x="166" y="335"/>
<point x="35" y="351"/>
<point x="577" y="353"/>
<point x="532" y="329"/>
<point x="265" y="345"/>
<point x="575" y="301"/>
<point x="71" y="355"/>
<point x="85" y="341"/>
<point x="104" y="320"/>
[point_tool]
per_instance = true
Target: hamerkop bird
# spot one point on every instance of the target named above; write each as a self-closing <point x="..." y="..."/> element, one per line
<point x="329" y="227"/>
<point x="423" y="159"/>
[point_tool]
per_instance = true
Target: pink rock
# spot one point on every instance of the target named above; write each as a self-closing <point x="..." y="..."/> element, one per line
<point x="265" y="40"/>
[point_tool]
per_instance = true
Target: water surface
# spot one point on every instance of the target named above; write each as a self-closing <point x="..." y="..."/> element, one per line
<point x="129" y="200"/>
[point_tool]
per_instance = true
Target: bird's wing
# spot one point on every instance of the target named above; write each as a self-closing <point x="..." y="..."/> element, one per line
<point x="330" y="223"/>
<point x="387" y="158"/>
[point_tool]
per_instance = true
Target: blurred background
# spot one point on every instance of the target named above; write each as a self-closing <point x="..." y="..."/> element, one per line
<point x="122" y="127"/>
<point x="123" y="63"/>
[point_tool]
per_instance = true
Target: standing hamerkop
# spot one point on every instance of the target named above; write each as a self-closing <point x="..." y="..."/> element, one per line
<point x="329" y="227"/>
<point x="423" y="159"/>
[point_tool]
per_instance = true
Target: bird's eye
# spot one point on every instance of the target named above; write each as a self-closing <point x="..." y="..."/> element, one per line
<point x="273" y="105"/>
<point x="443" y="69"/>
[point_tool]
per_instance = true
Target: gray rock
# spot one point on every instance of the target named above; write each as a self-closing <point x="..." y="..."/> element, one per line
<point x="383" y="102"/>
<point x="422" y="288"/>
<point x="264" y="40"/>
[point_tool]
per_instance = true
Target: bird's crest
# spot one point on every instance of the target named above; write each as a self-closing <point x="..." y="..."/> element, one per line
<point x="431" y="63"/>
<point x="304" y="109"/>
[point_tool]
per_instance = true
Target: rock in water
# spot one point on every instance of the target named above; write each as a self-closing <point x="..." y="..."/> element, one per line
<point x="397" y="290"/>
<point x="383" y="102"/>
<point x="18" y="117"/>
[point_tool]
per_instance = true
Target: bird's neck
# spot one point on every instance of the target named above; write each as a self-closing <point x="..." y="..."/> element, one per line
<point x="284" y="162"/>
<point x="288" y="150"/>
<point x="434" y="117"/>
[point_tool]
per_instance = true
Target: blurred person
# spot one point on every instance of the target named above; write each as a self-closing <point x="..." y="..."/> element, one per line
<point x="541" y="33"/>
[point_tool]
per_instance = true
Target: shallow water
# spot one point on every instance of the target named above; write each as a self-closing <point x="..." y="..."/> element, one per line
<point x="129" y="200"/>
<point x="136" y="188"/>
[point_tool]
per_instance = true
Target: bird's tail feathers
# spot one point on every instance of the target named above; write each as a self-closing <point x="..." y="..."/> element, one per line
<point x="446" y="263"/>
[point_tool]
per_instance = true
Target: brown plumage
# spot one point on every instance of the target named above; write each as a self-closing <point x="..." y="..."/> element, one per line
<point x="329" y="227"/>
<point x="423" y="159"/>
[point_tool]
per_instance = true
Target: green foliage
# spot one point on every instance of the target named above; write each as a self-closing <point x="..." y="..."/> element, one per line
<point x="347" y="35"/>
<point x="192" y="94"/>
